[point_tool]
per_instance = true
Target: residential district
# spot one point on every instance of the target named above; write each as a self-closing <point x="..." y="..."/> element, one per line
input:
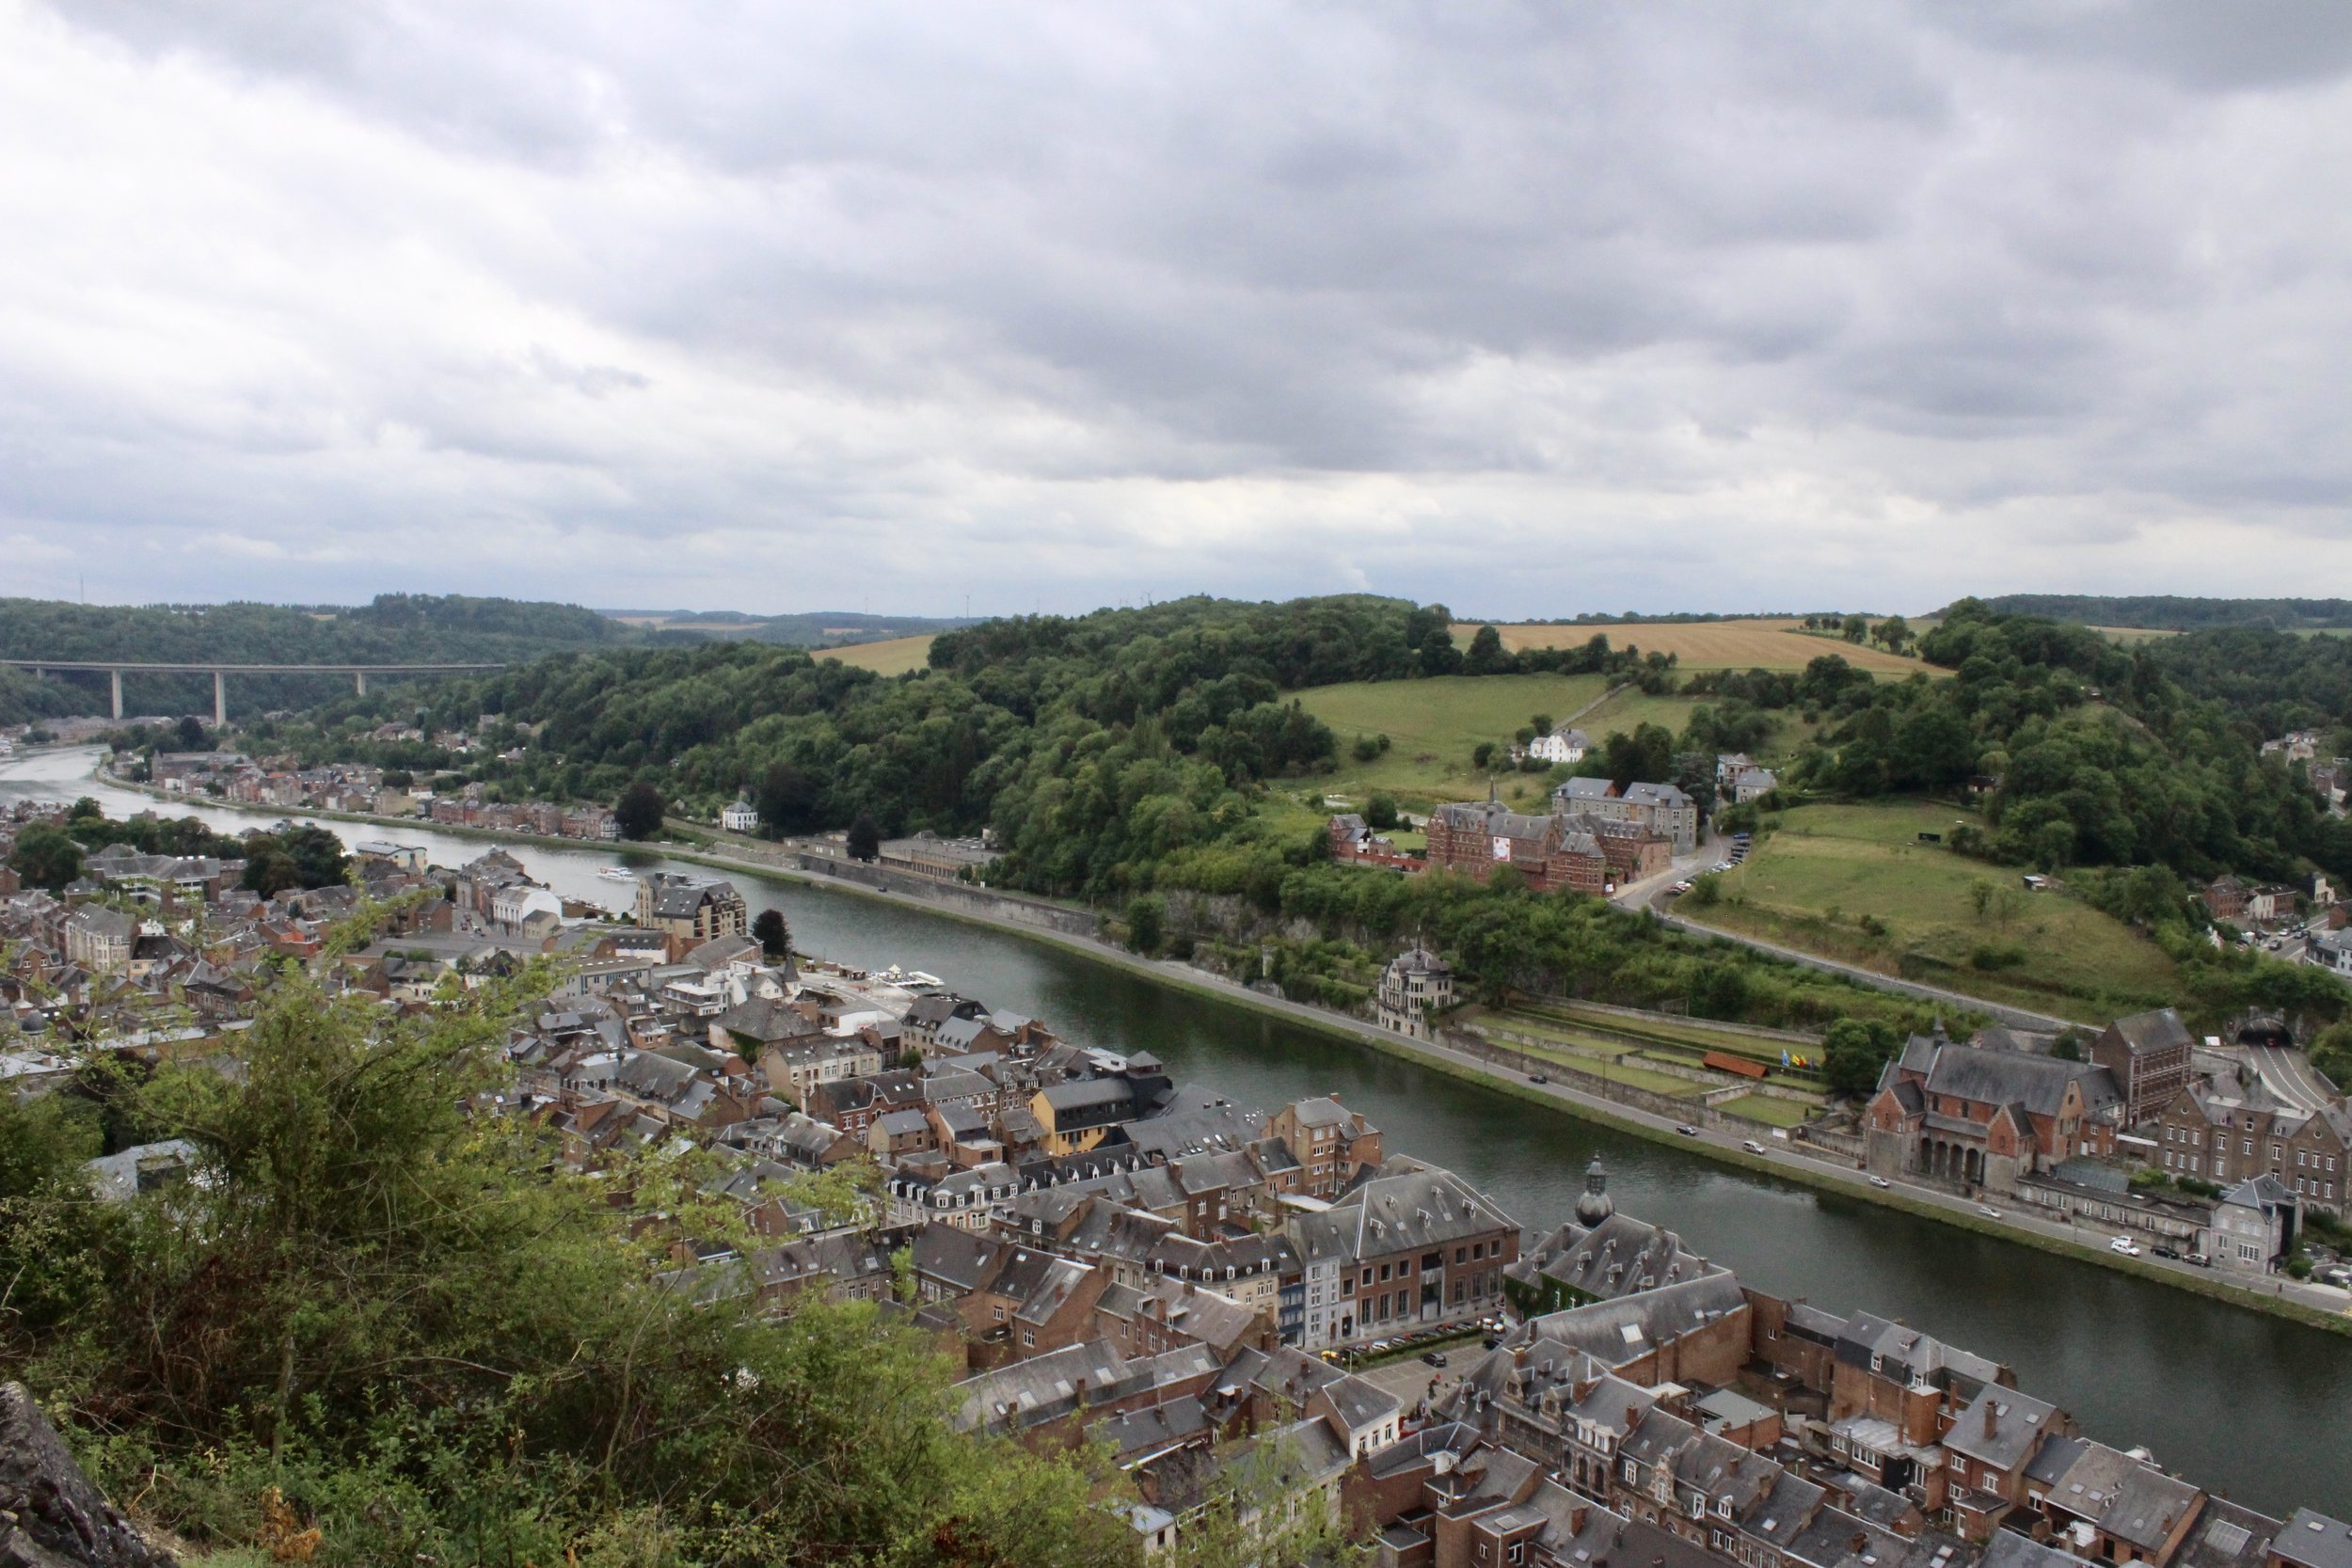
<point x="1112" y="1254"/>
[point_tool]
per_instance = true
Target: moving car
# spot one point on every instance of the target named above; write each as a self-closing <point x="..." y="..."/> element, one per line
<point x="1988" y="1210"/>
<point x="1752" y="1145"/>
<point x="1686" y="1129"/>
<point x="1537" y="1078"/>
<point x="2125" y="1245"/>
<point x="1879" y="1181"/>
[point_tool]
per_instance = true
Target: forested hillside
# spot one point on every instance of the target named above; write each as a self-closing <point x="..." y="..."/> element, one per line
<point x="2101" y="756"/>
<point x="2170" y="612"/>
<point x="392" y="627"/>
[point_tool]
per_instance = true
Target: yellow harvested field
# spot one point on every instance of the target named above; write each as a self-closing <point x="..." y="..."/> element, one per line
<point x="893" y="658"/>
<point x="1757" y="644"/>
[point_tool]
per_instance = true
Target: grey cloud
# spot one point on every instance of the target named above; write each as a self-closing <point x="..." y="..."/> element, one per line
<point x="1018" y="287"/>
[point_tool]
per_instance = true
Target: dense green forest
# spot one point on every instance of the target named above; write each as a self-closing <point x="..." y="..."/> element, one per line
<point x="392" y="627"/>
<point x="2170" y="612"/>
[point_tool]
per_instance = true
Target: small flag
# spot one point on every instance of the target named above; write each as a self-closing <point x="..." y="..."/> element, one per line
<point x="1783" y="1057"/>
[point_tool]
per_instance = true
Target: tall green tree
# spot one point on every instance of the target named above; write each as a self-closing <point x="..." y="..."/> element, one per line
<point x="45" y="856"/>
<point x="638" y="811"/>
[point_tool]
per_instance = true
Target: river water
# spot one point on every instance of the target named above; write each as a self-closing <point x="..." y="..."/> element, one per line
<point x="2236" y="1401"/>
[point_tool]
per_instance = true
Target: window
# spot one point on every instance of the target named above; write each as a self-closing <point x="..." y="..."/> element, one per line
<point x="1460" y="1253"/>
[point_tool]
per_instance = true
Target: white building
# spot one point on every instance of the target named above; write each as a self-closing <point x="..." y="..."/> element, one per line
<point x="741" y="817"/>
<point x="1562" y="745"/>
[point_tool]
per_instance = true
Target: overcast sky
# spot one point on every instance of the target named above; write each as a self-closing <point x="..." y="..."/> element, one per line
<point x="1533" y="310"/>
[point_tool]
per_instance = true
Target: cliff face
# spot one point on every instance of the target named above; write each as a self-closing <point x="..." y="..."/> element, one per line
<point x="50" y="1516"/>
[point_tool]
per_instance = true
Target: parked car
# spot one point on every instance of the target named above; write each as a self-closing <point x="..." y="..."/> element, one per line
<point x="2200" y="1260"/>
<point x="1752" y="1145"/>
<point x="2338" y="1276"/>
<point x="1879" y="1181"/>
<point x="1435" y="1357"/>
<point x="1537" y="1078"/>
<point x="1988" y="1210"/>
<point x="2163" y="1251"/>
<point x="1686" y="1129"/>
<point x="1492" y="1341"/>
<point x="2125" y="1246"/>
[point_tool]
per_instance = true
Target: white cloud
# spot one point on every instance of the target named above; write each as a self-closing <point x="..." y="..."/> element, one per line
<point x="1535" y="310"/>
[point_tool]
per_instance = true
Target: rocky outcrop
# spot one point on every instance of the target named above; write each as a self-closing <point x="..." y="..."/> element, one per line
<point x="50" y="1516"/>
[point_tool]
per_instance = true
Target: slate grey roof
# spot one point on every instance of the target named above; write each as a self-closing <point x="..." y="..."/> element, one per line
<point x="1397" y="1213"/>
<point x="2013" y="1078"/>
<point x="2009" y="1549"/>
<point x="2160" y="1030"/>
<point x="2312" y="1540"/>
<point x="2020" y="1421"/>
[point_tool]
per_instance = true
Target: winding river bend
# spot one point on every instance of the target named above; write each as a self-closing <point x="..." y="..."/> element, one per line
<point x="2237" y="1401"/>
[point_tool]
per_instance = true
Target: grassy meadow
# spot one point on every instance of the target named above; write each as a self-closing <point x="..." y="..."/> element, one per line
<point x="1431" y="726"/>
<point x="893" y="658"/>
<point x="1813" y="882"/>
<point x="1752" y="644"/>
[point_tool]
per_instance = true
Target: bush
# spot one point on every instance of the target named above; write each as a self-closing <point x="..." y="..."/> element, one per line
<point x="1365" y="748"/>
<point x="1147" y="923"/>
<point x="1381" y="812"/>
<point x="1986" y="957"/>
<point x="1706" y="891"/>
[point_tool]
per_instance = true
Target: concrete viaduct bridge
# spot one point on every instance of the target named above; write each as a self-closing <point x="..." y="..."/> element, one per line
<point x="220" y="674"/>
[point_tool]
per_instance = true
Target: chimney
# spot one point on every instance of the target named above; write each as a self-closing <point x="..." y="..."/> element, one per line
<point x="1992" y="1420"/>
<point x="1861" y="1542"/>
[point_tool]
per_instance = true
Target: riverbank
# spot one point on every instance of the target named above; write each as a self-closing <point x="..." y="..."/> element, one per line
<point x="1792" y="1168"/>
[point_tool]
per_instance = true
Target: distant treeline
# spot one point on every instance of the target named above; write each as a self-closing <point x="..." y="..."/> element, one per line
<point x="392" y="627"/>
<point x="822" y="628"/>
<point x="2172" y="612"/>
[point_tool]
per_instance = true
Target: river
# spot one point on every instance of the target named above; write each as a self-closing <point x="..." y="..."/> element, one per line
<point x="2234" y="1399"/>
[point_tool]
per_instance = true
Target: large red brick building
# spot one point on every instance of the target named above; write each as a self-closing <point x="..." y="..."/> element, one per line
<point x="1579" y="852"/>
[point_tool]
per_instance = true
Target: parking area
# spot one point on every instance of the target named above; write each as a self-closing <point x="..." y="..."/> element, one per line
<point x="1414" y="1380"/>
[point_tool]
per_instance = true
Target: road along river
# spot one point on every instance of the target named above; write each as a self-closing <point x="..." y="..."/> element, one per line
<point x="2236" y="1400"/>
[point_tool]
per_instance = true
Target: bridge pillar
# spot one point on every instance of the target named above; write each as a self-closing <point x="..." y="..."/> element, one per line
<point x="221" y="699"/>
<point x="359" y="678"/>
<point x="117" y="678"/>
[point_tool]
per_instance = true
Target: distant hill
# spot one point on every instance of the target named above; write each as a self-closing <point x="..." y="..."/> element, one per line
<point x="2171" y="612"/>
<point x="392" y="627"/>
<point x="821" y="628"/>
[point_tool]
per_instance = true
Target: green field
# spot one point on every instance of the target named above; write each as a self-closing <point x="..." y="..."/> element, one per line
<point x="1675" y="1043"/>
<point x="1431" y="726"/>
<point x="1811" y="884"/>
<point x="1771" y="1112"/>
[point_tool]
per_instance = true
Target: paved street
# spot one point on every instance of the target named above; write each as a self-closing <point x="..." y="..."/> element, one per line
<point x="2288" y="1074"/>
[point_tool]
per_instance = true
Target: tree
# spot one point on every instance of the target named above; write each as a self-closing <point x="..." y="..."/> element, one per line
<point x="46" y="856"/>
<point x="1486" y="655"/>
<point x="865" y="839"/>
<point x="638" y="811"/>
<point x="1693" y="774"/>
<point x="1854" y="628"/>
<point x="1856" y="1053"/>
<point x="1893" y="633"/>
<point x="786" y="799"/>
<point x="1147" y="923"/>
<point x="190" y="731"/>
<point x="773" y="936"/>
<point x="1646" y="755"/>
<point x="1482" y="753"/>
<point x="1381" y="812"/>
<point x="1542" y="723"/>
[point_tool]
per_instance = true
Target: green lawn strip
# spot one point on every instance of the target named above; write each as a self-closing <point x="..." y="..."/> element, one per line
<point x="1765" y="1108"/>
